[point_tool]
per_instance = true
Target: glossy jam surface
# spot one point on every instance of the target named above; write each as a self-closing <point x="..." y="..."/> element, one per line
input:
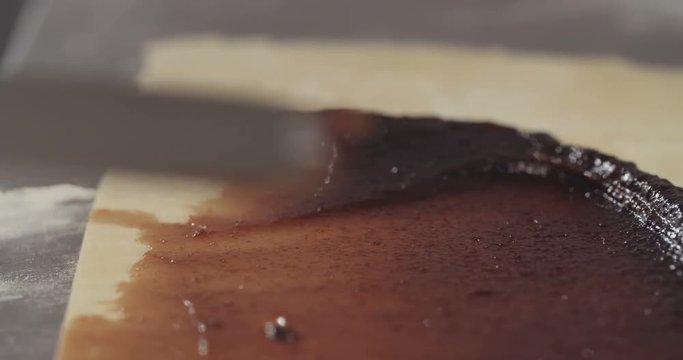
<point x="491" y="268"/>
<point x="420" y="240"/>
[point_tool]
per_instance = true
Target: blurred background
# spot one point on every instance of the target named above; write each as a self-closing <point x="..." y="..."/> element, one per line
<point x="8" y="14"/>
<point x="90" y="34"/>
<point x="601" y="73"/>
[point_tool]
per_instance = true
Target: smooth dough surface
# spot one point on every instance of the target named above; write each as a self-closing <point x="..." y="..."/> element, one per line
<point x="632" y="111"/>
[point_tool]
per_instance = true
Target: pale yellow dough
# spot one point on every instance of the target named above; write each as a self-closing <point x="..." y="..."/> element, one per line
<point x="630" y="110"/>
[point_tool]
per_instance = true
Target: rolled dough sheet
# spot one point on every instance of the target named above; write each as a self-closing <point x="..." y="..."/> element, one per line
<point x="621" y="108"/>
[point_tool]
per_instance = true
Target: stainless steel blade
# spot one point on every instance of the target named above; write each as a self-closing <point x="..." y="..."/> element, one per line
<point x="122" y="127"/>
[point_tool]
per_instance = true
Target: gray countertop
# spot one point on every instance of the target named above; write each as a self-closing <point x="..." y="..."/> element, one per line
<point x="43" y="211"/>
<point x="103" y="38"/>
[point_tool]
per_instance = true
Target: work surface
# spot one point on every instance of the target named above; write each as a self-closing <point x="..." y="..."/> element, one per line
<point x="36" y="266"/>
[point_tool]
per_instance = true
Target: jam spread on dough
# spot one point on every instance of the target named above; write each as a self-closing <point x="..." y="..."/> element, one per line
<point x="422" y="239"/>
